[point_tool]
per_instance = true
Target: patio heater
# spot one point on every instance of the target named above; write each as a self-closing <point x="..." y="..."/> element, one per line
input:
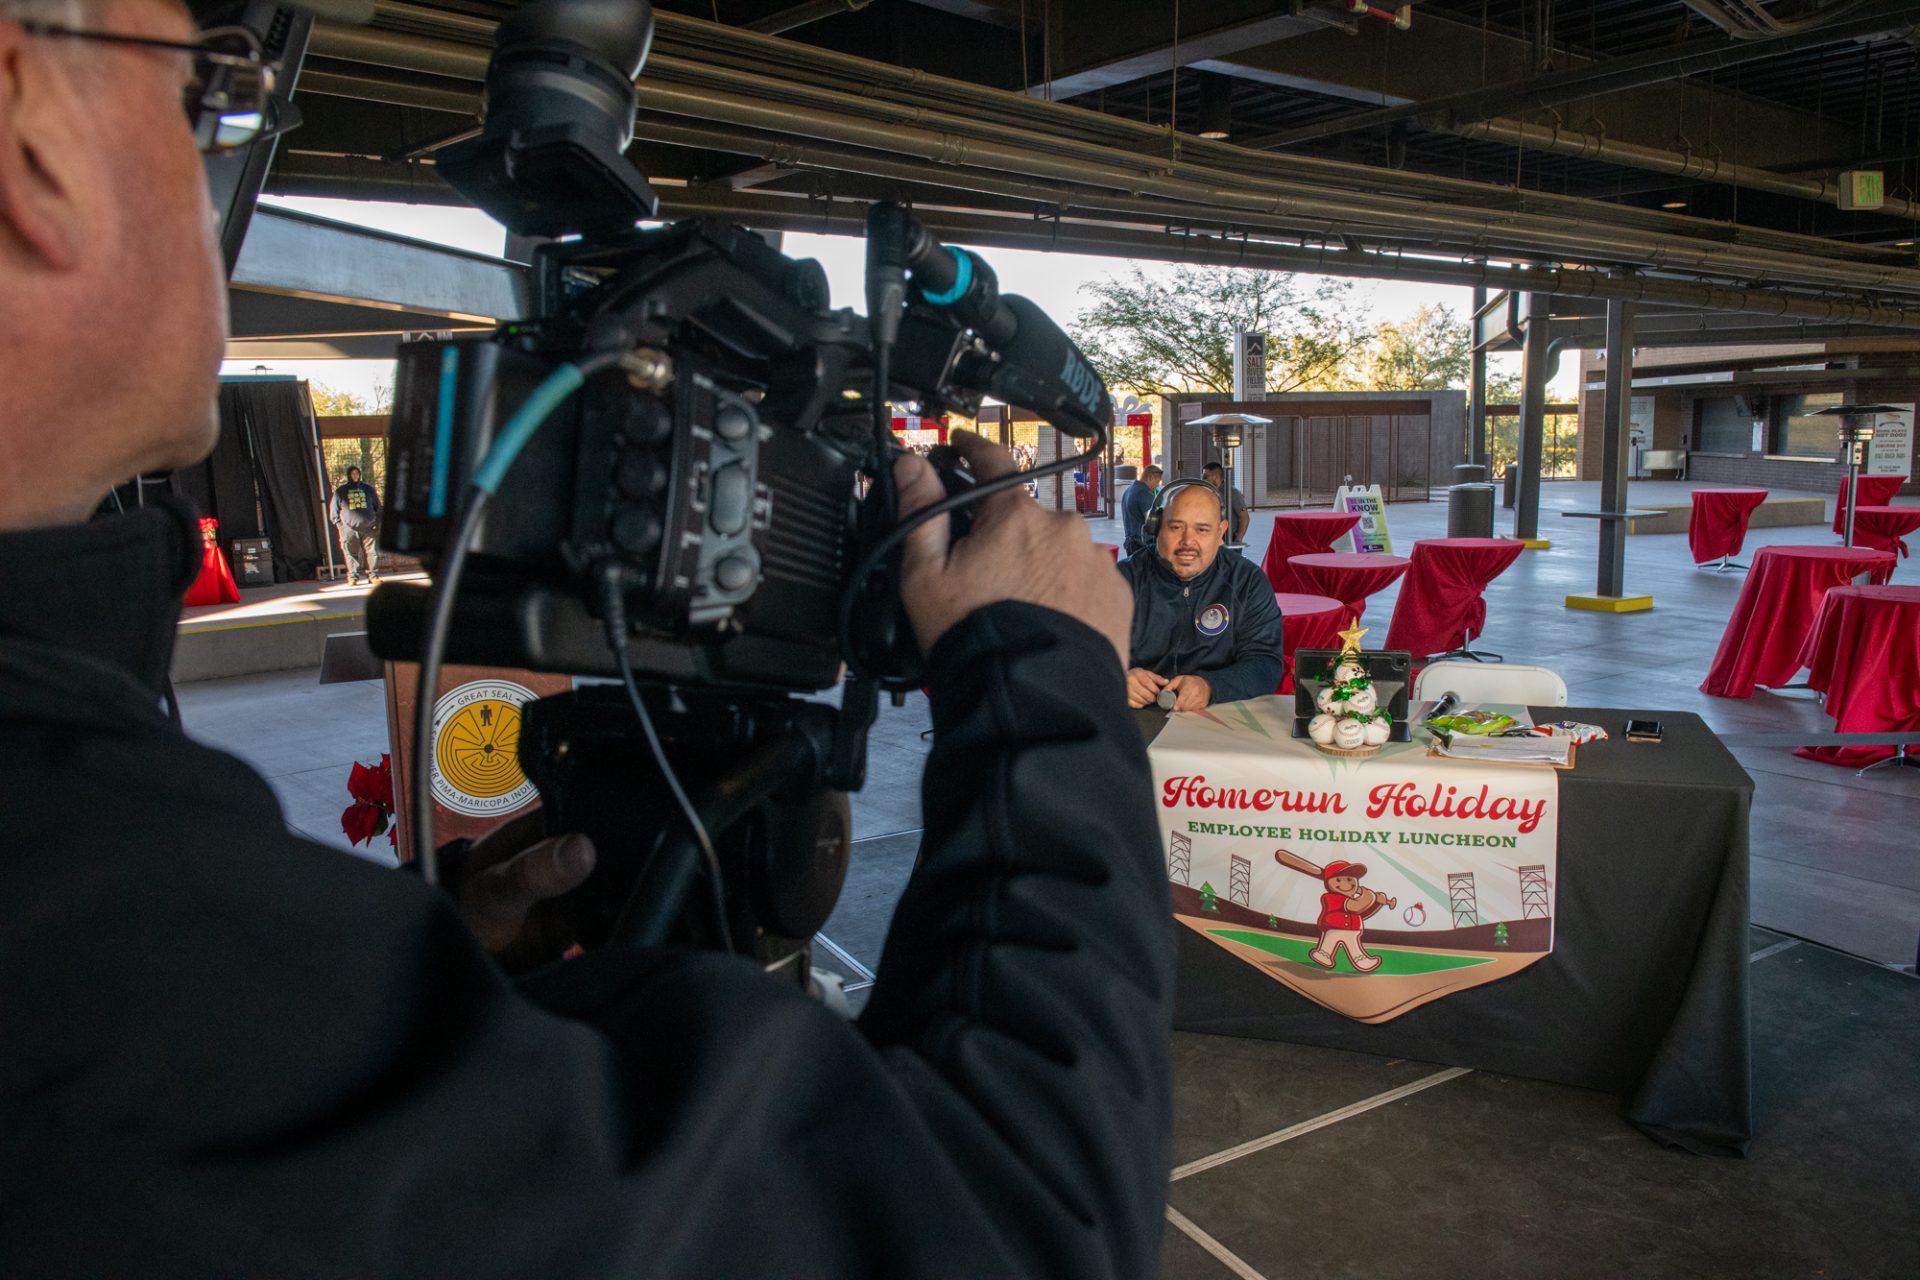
<point x="1856" y="433"/>
<point x="1229" y="431"/>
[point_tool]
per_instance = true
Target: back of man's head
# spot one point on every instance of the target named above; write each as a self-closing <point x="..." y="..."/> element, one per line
<point x="1152" y="474"/>
<point x="1212" y="472"/>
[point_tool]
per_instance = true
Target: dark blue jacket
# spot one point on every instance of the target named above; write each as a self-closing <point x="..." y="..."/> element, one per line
<point x="1223" y="625"/>
<point x="1135" y="503"/>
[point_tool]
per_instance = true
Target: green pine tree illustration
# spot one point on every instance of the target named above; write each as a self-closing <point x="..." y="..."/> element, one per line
<point x="1208" y="901"/>
<point x="1500" y="934"/>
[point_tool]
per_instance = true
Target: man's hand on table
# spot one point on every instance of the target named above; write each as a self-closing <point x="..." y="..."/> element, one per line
<point x="1143" y="686"/>
<point x="1192" y="693"/>
<point x="1016" y="551"/>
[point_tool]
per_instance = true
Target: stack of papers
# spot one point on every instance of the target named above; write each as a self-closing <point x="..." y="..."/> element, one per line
<point x="1529" y="748"/>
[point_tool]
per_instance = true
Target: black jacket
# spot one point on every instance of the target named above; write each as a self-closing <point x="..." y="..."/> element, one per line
<point x="355" y="506"/>
<point x="229" y="1052"/>
<point x="1223" y="625"/>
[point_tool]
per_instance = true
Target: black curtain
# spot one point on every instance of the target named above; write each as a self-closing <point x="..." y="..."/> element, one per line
<point x="261" y="479"/>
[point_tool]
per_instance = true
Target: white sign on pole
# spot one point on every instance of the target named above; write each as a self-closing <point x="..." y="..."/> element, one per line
<point x="1249" y="365"/>
<point x="1891" y="452"/>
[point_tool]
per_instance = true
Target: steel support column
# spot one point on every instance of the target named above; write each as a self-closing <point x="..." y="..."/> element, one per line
<point x="1534" y="362"/>
<point x="1477" y="393"/>
<point x="1613" y="469"/>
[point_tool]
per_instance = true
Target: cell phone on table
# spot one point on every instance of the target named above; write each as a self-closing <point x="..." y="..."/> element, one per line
<point x="1644" y="731"/>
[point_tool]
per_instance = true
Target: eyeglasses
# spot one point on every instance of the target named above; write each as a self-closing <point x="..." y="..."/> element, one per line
<point x="229" y="101"/>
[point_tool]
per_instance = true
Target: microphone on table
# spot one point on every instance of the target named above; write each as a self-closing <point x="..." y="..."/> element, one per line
<point x="1165" y="699"/>
<point x="1448" y="701"/>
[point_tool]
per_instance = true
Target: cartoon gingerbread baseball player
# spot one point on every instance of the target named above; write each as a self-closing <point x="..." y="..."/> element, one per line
<point x="1344" y="908"/>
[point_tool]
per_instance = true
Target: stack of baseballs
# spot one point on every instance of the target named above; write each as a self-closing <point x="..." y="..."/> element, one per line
<point x="1350" y="718"/>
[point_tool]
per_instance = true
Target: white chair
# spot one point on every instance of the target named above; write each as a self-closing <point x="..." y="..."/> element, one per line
<point x="1509" y="682"/>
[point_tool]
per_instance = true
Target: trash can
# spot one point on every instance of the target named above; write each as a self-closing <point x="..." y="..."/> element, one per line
<point x="1469" y="473"/>
<point x="1470" y="511"/>
<point x="1512" y="494"/>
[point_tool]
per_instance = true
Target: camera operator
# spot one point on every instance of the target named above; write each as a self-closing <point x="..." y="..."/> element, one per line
<point x="233" y="1052"/>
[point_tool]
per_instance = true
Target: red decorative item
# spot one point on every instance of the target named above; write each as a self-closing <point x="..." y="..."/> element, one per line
<point x="1775" y="611"/>
<point x="1441" y="605"/>
<point x="1719" y="524"/>
<point x="371" y="812"/>
<point x="1864" y="654"/>
<point x="1302" y="533"/>
<point x="215" y="585"/>
<point x="1875" y="491"/>
<point x="1348" y="576"/>
<point x="1306" y="622"/>
<point x="1885" y="528"/>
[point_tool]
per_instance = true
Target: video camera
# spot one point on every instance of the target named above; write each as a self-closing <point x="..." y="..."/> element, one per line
<point x="658" y="475"/>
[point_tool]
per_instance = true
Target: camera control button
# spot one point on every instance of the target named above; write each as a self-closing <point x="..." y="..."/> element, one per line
<point x="733" y="573"/>
<point x="731" y="505"/>
<point x="733" y="422"/>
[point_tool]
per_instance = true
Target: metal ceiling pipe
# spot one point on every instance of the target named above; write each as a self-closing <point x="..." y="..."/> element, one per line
<point x="330" y="176"/>
<point x="1610" y="75"/>
<point x="712" y="47"/>
<point x="804" y="14"/>
<point x="1188" y="185"/>
<point x="1586" y="146"/>
<point x="399" y="93"/>
<point x="848" y="217"/>
<point x="1361" y="208"/>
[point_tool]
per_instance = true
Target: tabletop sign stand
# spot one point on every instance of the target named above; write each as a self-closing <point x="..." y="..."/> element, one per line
<point x="1366" y="501"/>
<point x="479" y="784"/>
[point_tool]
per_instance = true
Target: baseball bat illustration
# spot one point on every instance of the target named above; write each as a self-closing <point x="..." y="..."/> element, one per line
<point x="1298" y="863"/>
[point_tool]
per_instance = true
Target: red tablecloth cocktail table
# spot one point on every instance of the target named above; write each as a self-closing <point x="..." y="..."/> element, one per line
<point x="1113" y="549"/>
<point x="1884" y="528"/>
<point x="1348" y="576"/>
<point x="1719" y="523"/>
<point x="1302" y="533"/>
<point x="1775" y="611"/>
<point x="1864" y="654"/>
<point x="1440" y="606"/>
<point x="1875" y="491"/>
<point x="1307" y="622"/>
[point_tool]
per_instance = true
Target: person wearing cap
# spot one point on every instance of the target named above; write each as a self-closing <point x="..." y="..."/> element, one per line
<point x="231" y="1051"/>
<point x="1344" y="909"/>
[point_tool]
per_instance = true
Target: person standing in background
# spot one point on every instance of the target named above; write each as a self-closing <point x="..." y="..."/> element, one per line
<point x="1135" y="503"/>
<point x="355" y="512"/>
<point x="1216" y="477"/>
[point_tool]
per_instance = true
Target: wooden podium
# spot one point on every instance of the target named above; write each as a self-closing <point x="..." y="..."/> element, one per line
<point x="478" y="783"/>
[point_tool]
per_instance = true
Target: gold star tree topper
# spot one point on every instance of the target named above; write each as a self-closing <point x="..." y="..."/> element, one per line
<point x="1350" y="638"/>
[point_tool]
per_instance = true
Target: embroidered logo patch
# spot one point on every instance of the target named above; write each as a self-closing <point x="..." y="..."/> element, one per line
<point x="1212" y="620"/>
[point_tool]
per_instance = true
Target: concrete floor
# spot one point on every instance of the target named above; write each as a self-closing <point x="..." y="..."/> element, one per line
<point x="1293" y="1160"/>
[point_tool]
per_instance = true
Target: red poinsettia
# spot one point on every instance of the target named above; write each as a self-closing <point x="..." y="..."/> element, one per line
<point x="371" y="812"/>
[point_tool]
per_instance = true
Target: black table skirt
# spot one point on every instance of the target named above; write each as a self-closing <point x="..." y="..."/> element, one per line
<point x="1645" y="992"/>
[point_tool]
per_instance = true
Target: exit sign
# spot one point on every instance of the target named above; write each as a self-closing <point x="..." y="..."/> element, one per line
<point x="1863" y="189"/>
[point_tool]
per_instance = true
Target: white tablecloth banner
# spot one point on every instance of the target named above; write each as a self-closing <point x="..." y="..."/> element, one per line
<point x="1465" y="851"/>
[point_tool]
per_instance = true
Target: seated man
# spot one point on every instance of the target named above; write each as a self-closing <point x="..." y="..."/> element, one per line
<point x="1135" y="503"/>
<point x="1214" y="476"/>
<point x="1205" y="626"/>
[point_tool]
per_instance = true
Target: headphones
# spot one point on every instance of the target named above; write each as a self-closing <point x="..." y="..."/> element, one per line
<point x="1150" y="530"/>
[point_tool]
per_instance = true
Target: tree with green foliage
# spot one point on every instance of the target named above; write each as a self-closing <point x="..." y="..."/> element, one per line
<point x="1271" y="922"/>
<point x="1160" y="334"/>
<point x="1500" y="934"/>
<point x="1429" y="350"/>
<point x="1208" y="902"/>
